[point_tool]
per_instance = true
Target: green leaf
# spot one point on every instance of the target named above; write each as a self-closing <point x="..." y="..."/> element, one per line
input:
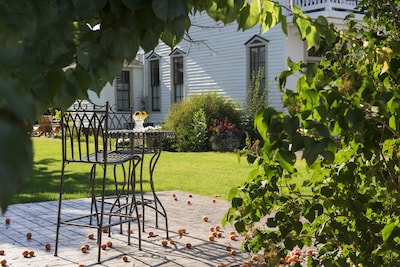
<point x="225" y="11"/>
<point x="271" y="222"/>
<point x="237" y="202"/>
<point x="327" y="191"/>
<point x="16" y="158"/>
<point x="127" y="47"/>
<point x="88" y="54"/>
<point x="307" y="30"/>
<point x="86" y="9"/>
<point x="393" y="122"/>
<point x="168" y="10"/>
<point x="287" y="160"/>
<point x="240" y="227"/>
<point x="249" y="15"/>
<point x="284" y="25"/>
<point x="388" y="230"/>
<point x="232" y="193"/>
<point x="136" y="4"/>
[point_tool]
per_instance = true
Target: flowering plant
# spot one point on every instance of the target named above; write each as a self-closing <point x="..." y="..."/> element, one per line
<point x="222" y="129"/>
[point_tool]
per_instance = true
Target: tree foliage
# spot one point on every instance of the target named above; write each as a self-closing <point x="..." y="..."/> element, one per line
<point x="344" y="117"/>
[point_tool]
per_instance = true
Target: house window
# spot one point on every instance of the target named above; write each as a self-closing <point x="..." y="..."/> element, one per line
<point x="155" y="90"/>
<point x="177" y="75"/>
<point x="123" y="88"/>
<point x="312" y="55"/>
<point x="256" y="59"/>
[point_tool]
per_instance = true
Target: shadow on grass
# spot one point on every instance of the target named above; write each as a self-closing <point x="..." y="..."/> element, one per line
<point x="44" y="184"/>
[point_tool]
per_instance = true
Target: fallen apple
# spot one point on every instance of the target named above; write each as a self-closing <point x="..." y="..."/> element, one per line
<point x="164" y="243"/>
<point x="29" y="235"/>
<point x="83" y="249"/>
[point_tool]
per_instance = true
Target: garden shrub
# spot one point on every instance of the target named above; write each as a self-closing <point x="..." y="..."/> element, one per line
<point x="196" y="109"/>
<point x="199" y="130"/>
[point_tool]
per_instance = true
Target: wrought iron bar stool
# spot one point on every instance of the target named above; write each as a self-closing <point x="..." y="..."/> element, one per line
<point x="86" y="139"/>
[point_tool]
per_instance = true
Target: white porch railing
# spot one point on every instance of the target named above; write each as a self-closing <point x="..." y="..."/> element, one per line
<point x="308" y="6"/>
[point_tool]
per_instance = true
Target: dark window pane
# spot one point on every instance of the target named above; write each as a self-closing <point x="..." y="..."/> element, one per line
<point x="178" y="79"/>
<point x="257" y="62"/>
<point x="123" y="91"/>
<point x="155" y="85"/>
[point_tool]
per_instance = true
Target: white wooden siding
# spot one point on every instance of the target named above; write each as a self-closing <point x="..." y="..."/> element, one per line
<point x="216" y="62"/>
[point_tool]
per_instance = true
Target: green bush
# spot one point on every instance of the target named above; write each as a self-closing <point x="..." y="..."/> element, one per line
<point x="185" y="120"/>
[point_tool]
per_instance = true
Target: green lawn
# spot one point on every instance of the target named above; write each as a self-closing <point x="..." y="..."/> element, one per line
<point x="207" y="173"/>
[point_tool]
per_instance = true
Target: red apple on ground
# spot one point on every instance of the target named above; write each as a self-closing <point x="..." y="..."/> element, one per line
<point x="25" y="253"/>
<point x="164" y="243"/>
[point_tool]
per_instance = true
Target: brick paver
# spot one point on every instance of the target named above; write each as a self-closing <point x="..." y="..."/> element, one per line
<point x="40" y="220"/>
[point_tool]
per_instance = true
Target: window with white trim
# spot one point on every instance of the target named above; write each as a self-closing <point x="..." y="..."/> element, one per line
<point x="154" y="81"/>
<point x="177" y="73"/>
<point x="312" y="55"/>
<point x="257" y="58"/>
<point x="123" y="90"/>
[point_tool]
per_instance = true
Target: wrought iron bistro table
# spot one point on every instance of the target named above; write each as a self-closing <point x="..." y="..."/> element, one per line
<point x="146" y="144"/>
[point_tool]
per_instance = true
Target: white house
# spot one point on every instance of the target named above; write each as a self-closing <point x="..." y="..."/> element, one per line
<point x="216" y="58"/>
